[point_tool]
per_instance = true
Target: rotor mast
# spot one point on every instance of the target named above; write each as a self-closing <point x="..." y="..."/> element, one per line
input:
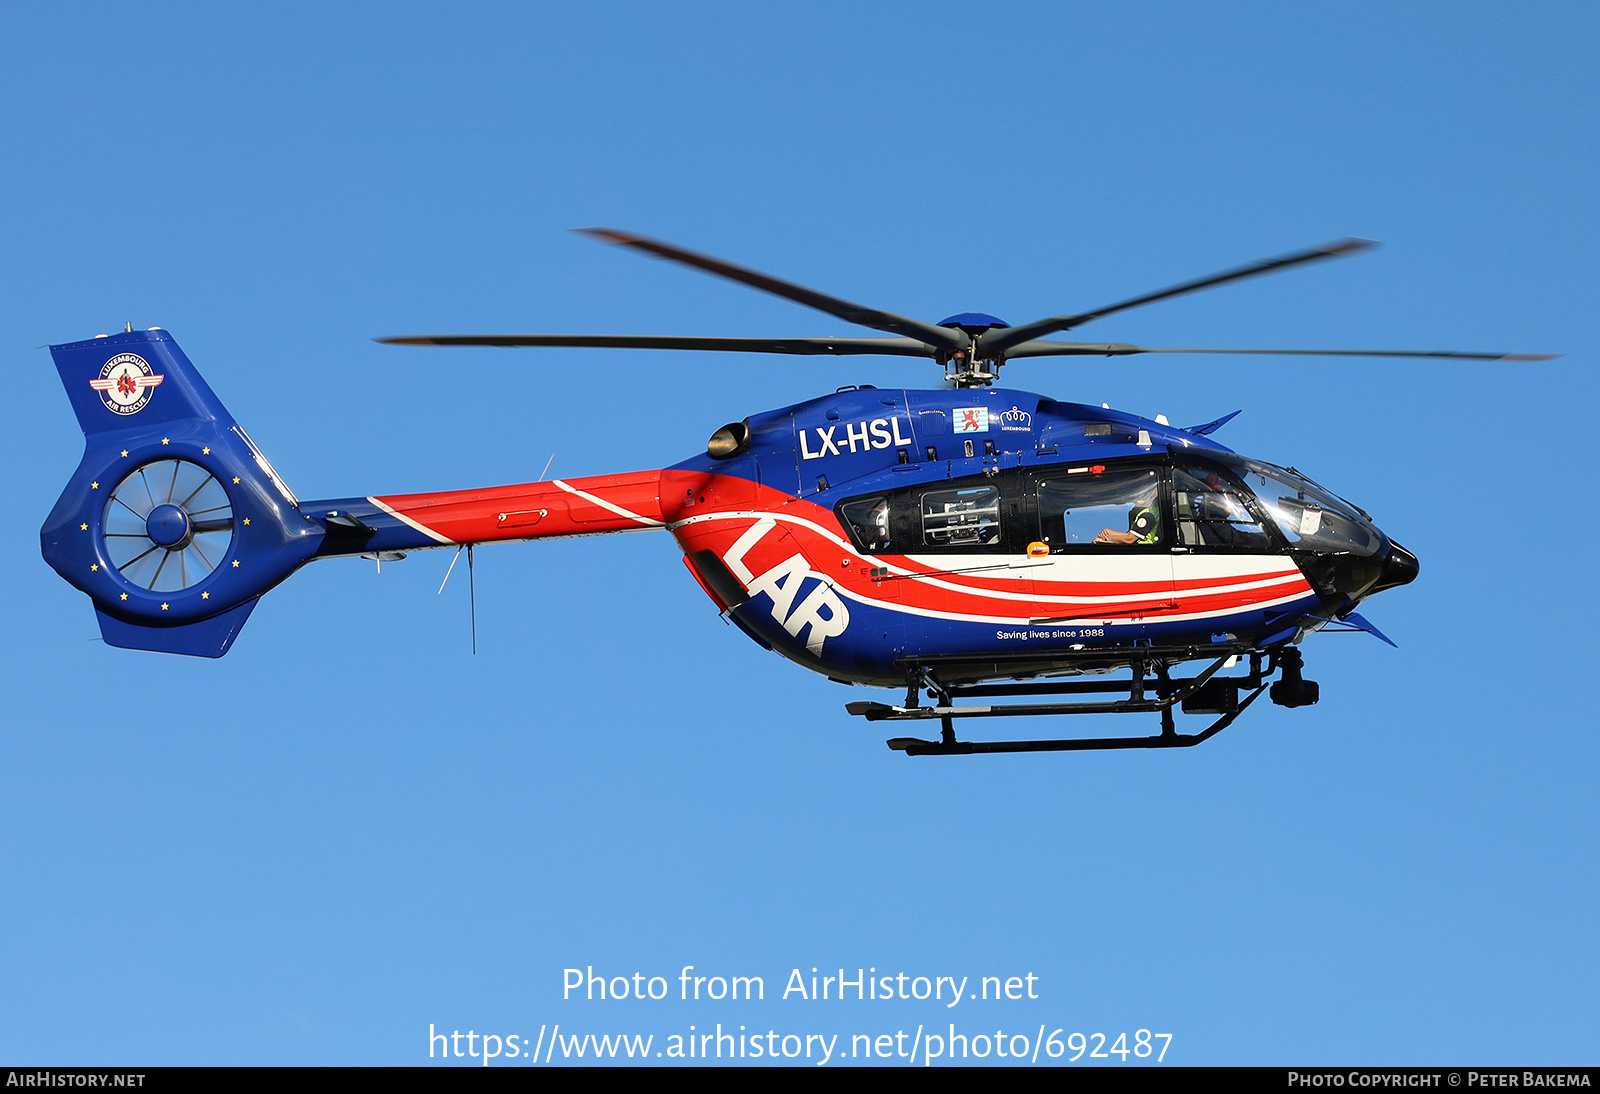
<point x="969" y="366"/>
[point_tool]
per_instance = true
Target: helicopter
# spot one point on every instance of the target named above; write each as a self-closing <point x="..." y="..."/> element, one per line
<point x="966" y="543"/>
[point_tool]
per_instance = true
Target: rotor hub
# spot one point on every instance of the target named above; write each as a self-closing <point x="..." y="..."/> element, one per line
<point x="169" y="526"/>
<point x="973" y="323"/>
<point x="963" y="368"/>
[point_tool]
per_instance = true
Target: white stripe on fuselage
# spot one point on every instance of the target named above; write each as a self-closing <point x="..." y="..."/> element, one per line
<point x="397" y="515"/>
<point x="1265" y="570"/>
<point x="604" y="504"/>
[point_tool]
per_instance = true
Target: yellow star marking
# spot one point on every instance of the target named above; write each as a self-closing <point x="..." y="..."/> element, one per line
<point x="205" y="452"/>
<point x="166" y="440"/>
<point x="247" y="520"/>
<point x="235" y="564"/>
<point x="124" y="451"/>
<point x="124" y="596"/>
<point x="205" y="596"/>
<point x="236" y="478"/>
<point x="83" y="527"/>
<point x="163" y="607"/>
<point x="95" y="485"/>
<point x="94" y="567"/>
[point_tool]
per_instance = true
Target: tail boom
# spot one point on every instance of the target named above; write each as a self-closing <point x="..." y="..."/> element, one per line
<point x="589" y="506"/>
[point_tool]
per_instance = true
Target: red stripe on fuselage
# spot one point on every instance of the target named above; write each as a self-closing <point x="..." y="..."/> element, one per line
<point x="921" y="585"/>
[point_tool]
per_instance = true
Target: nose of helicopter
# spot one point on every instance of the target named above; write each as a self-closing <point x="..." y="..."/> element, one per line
<point x="1346" y="576"/>
<point x="1399" y="568"/>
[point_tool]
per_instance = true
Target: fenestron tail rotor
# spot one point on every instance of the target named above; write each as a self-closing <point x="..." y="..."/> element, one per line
<point x="970" y="346"/>
<point x="168" y="525"/>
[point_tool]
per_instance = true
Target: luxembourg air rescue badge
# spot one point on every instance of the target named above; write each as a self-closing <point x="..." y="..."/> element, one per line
<point x="125" y="383"/>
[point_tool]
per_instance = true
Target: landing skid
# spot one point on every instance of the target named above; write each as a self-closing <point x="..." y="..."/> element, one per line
<point x="1204" y="693"/>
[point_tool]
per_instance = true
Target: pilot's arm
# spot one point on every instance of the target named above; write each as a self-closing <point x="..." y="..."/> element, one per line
<point x="1144" y="527"/>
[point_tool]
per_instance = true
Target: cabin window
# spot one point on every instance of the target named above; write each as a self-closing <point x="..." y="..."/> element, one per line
<point x="1213" y="511"/>
<point x="977" y="515"/>
<point x="968" y="517"/>
<point x="867" y="521"/>
<point x="1112" y="509"/>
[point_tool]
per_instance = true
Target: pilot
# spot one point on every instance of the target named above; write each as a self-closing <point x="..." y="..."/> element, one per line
<point x="1218" y="513"/>
<point x="1144" y="523"/>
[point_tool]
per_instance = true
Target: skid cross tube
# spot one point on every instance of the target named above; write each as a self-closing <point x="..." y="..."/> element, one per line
<point x="1167" y="695"/>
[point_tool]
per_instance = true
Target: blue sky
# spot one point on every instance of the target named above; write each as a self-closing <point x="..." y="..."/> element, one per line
<point x="350" y="827"/>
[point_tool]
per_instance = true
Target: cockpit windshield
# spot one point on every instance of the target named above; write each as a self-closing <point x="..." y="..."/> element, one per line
<point x="1308" y="516"/>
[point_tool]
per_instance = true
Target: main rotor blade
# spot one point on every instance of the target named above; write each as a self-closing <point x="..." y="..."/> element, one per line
<point x="996" y="342"/>
<point x="894" y="347"/>
<point x="1044" y="348"/>
<point x="942" y="337"/>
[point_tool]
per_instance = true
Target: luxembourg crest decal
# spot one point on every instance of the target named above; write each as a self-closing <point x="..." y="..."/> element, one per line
<point x="125" y="383"/>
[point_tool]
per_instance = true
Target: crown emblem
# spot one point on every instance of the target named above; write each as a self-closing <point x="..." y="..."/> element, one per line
<point x="1016" y="418"/>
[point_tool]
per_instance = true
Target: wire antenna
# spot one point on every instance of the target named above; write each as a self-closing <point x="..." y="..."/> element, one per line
<point x="472" y="594"/>
<point x="451" y="570"/>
